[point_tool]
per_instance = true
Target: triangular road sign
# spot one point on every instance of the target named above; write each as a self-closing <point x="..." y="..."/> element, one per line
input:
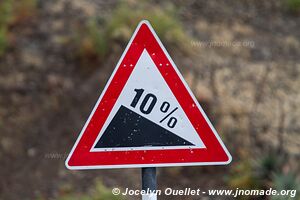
<point x="146" y="116"/>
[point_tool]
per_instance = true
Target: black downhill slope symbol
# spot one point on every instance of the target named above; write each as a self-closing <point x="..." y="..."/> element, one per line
<point x="129" y="129"/>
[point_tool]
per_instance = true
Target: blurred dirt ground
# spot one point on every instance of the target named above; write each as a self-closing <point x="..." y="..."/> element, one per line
<point x="243" y="65"/>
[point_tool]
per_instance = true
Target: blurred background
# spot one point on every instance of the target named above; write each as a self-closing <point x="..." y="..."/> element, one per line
<point x="240" y="58"/>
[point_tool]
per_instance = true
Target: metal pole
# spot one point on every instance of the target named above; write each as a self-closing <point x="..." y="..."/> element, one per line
<point x="149" y="183"/>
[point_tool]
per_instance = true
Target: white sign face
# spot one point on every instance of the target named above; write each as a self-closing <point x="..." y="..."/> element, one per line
<point x="147" y="101"/>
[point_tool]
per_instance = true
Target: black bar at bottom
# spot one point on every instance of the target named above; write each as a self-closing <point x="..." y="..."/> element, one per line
<point x="149" y="178"/>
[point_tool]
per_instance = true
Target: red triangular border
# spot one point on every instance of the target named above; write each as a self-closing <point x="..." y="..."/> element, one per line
<point x="215" y="152"/>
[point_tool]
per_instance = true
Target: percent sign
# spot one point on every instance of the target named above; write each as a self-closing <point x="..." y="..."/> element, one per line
<point x="151" y="100"/>
<point x="172" y="120"/>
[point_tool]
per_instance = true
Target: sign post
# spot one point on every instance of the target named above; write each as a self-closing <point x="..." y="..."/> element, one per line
<point x="149" y="183"/>
<point x="147" y="117"/>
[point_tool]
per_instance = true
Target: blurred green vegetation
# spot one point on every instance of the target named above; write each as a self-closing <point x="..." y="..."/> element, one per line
<point x="13" y="12"/>
<point x="98" y="192"/>
<point x="101" y="34"/>
<point x="286" y="181"/>
<point x="263" y="173"/>
<point x="24" y="9"/>
<point x="3" y="40"/>
<point x="91" y="42"/>
<point x="5" y="19"/>
<point x="293" y="6"/>
<point x="164" y="21"/>
<point x="267" y="165"/>
<point x="243" y="176"/>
